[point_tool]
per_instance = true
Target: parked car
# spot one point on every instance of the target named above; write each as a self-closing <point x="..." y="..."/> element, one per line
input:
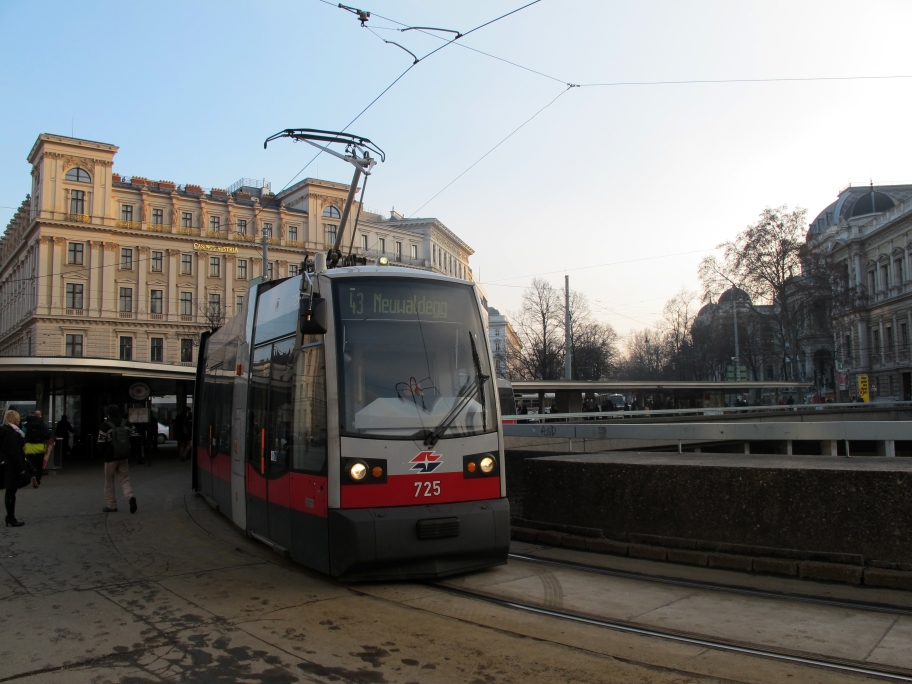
<point x="163" y="433"/>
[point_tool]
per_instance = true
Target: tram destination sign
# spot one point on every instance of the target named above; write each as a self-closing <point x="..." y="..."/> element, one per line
<point x="381" y="301"/>
<point x="206" y="247"/>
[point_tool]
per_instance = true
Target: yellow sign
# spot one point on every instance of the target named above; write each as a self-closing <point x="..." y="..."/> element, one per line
<point x="863" y="390"/>
<point x="203" y="247"/>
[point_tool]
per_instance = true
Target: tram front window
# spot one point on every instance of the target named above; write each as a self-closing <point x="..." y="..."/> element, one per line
<point x="413" y="359"/>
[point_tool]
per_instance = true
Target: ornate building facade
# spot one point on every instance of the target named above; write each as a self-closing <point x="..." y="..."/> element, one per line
<point x="867" y="231"/>
<point x="102" y="265"/>
<point x="505" y="344"/>
<point x="107" y="280"/>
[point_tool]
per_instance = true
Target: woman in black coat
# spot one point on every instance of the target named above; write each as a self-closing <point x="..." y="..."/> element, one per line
<point x="12" y="453"/>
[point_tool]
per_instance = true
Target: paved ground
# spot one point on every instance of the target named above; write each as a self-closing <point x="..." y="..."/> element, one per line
<point x="176" y="593"/>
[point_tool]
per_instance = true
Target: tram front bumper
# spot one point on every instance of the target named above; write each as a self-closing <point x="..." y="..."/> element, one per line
<point x="386" y="543"/>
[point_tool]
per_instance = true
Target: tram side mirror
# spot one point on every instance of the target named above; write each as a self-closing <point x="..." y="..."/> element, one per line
<point x="313" y="316"/>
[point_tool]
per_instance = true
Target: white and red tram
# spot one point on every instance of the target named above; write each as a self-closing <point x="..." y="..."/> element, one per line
<point x="349" y="418"/>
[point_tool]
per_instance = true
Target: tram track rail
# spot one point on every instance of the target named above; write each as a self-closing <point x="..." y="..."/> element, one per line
<point x="782" y="655"/>
<point x="716" y="586"/>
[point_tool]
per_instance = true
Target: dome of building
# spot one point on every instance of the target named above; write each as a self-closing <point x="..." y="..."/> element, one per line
<point x="735" y="293"/>
<point x="872" y="202"/>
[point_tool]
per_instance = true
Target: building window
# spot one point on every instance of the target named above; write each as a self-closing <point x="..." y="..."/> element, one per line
<point x="214" y="224"/>
<point x="364" y="243"/>
<point x="331" y="234"/>
<point x="293" y="233"/>
<point x="269" y="270"/>
<point x="293" y="270"/>
<point x="78" y="175"/>
<point x="848" y="347"/>
<point x="75" y="252"/>
<point x="157" y="261"/>
<point x="156" y="301"/>
<point x="398" y="250"/>
<point x="186" y="303"/>
<point x="126" y="299"/>
<point x="215" y="266"/>
<point x="898" y="271"/>
<point x="126" y="212"/>
<point x="884" y="277"/>
<point x="126" y="259"/>
<point x="871" y="285"/>
<point x="157" y="349"/>
<point x="904" y="335"/>
<point x="382" y="245"/>
<point x="875" y="334"/>
<point x="74" y="345"/>
<point x="888" y="338"/>
<point x="74" y="296"/>
<point x="186" y="264"/>
<point x="414" y="251"/>
<point x="77" y="202"/>
<point x="239" y="304"/>
<point x="126" y="348"/>
<point x="215" y="305"/>
<point x="242" y="269"/>
<point x="186" y="350"/>
<point x="267" y="230"/>
<point x="331" y="212"/>
<point x="186" y="220"/>
<point x="158" y="217"/>
<point x="242" y="227"/>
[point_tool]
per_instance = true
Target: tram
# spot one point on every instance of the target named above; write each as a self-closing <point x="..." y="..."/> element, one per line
<point x="348" y="417"/>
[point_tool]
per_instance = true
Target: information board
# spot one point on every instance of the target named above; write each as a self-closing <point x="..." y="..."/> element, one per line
<point x="864" y="392"/>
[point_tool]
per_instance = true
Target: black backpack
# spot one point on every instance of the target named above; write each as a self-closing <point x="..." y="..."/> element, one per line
<point x="36" y="431"/>
<point x="120" y="440"/>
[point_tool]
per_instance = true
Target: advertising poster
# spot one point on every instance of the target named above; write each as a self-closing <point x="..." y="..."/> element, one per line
<point x="863" y="389"/>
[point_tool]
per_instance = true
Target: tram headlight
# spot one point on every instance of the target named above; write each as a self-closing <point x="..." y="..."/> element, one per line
<point x="357" y="471"/>
<point x="487" y="464"/>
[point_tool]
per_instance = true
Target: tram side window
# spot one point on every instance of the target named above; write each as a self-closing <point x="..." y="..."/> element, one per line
<point x="259" y="407"/>
<point x="309" y="446"/>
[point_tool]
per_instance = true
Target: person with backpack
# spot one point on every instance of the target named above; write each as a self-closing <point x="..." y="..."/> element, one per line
<point x="114" y="442"/>
<point x="16" y="468"/>
<point x="37" y="435"/>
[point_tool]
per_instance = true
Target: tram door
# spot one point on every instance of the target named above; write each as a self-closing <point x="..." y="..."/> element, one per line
<point x="268" y="477"/>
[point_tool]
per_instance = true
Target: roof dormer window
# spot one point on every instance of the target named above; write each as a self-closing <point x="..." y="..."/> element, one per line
<point x="78" y="175"/>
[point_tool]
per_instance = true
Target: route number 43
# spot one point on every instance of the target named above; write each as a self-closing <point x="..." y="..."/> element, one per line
<point x="430" y="488"/>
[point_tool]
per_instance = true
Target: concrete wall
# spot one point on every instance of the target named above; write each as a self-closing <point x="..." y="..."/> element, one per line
<point x="819" y="504"/>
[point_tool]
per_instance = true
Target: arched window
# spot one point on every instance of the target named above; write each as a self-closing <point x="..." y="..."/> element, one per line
<point x="331" y="212"/>
<point x="78" y="175"/>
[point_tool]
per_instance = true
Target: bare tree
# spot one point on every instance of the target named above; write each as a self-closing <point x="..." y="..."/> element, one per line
<point x="539" y="325"/>
<point x="770" y="261"/>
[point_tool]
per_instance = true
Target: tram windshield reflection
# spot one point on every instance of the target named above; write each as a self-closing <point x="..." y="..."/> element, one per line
<point x="406" y="358"/>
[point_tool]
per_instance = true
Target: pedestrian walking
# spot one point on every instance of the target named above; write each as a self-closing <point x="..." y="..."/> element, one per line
<point x="16" y="467"/>
<point x="64" y="431"/>
<point x="115" y="438"/>
<point x="183" y="426"/>
<point x="37" y="435"/>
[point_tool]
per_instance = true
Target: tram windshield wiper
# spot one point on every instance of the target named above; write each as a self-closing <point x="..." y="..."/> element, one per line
<point x="464" y="397"/>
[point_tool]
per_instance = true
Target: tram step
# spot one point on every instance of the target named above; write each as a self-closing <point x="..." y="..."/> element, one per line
<point x="438" y="528"/>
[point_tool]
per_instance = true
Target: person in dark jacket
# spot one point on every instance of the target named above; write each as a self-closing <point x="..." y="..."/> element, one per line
<point x="114" y="441"/>
<point x="63" y="431"/>
<point x="12" y="453"/>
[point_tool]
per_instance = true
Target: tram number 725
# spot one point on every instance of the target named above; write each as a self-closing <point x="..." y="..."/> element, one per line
<point x="430" y="488"/>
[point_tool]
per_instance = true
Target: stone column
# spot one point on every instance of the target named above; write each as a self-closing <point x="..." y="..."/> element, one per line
<point x="45" y="247"/>
<point x="864" y="351"/>
<point x="107" y="302"/>
<point x="202" y="302"/>
<point x="880" y="349"/>
<point x="96" y="277"/>
<point x="142" y="264"/>
<point x="859" y="281"/>
<point x="230" y="261"/>
<point x="895" y="341"/>
<point x="256" y="267"/>
<point x="171" y="313"/>
<point x="57" y="296"/>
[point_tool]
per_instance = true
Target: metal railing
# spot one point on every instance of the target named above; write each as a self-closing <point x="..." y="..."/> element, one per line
<point x="181" y="230"/>
<point x="132" y="225"/>
<point x="249" y="183"/>
<point x="159" y="227"/>
<point x="78" y="218"/>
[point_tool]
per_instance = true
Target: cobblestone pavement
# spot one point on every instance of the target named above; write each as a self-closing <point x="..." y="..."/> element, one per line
<point x="176" y="593"/>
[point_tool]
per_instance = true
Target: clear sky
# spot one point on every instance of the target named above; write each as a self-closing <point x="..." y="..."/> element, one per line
<point x="605" y="175"/>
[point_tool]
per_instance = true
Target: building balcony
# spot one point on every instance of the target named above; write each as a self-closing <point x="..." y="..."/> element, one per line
<point x="159" y="227"/>
<point x="243" y="237"/>
<point x="74" y="312"/>
<point x="188" y="318"/>
<point x="273" y="241"/>
<point x="183" y="230"/>
<point x="157" y="317"/>
<point x="217" y="234"/>
<point x="294" y="244"/>
<point x="131" y="225"/>
<point x="125" y="314"/>
<point x="78" y="218"/>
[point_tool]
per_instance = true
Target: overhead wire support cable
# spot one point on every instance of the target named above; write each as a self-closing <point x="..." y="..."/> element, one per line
<point x="476" y="162"/>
